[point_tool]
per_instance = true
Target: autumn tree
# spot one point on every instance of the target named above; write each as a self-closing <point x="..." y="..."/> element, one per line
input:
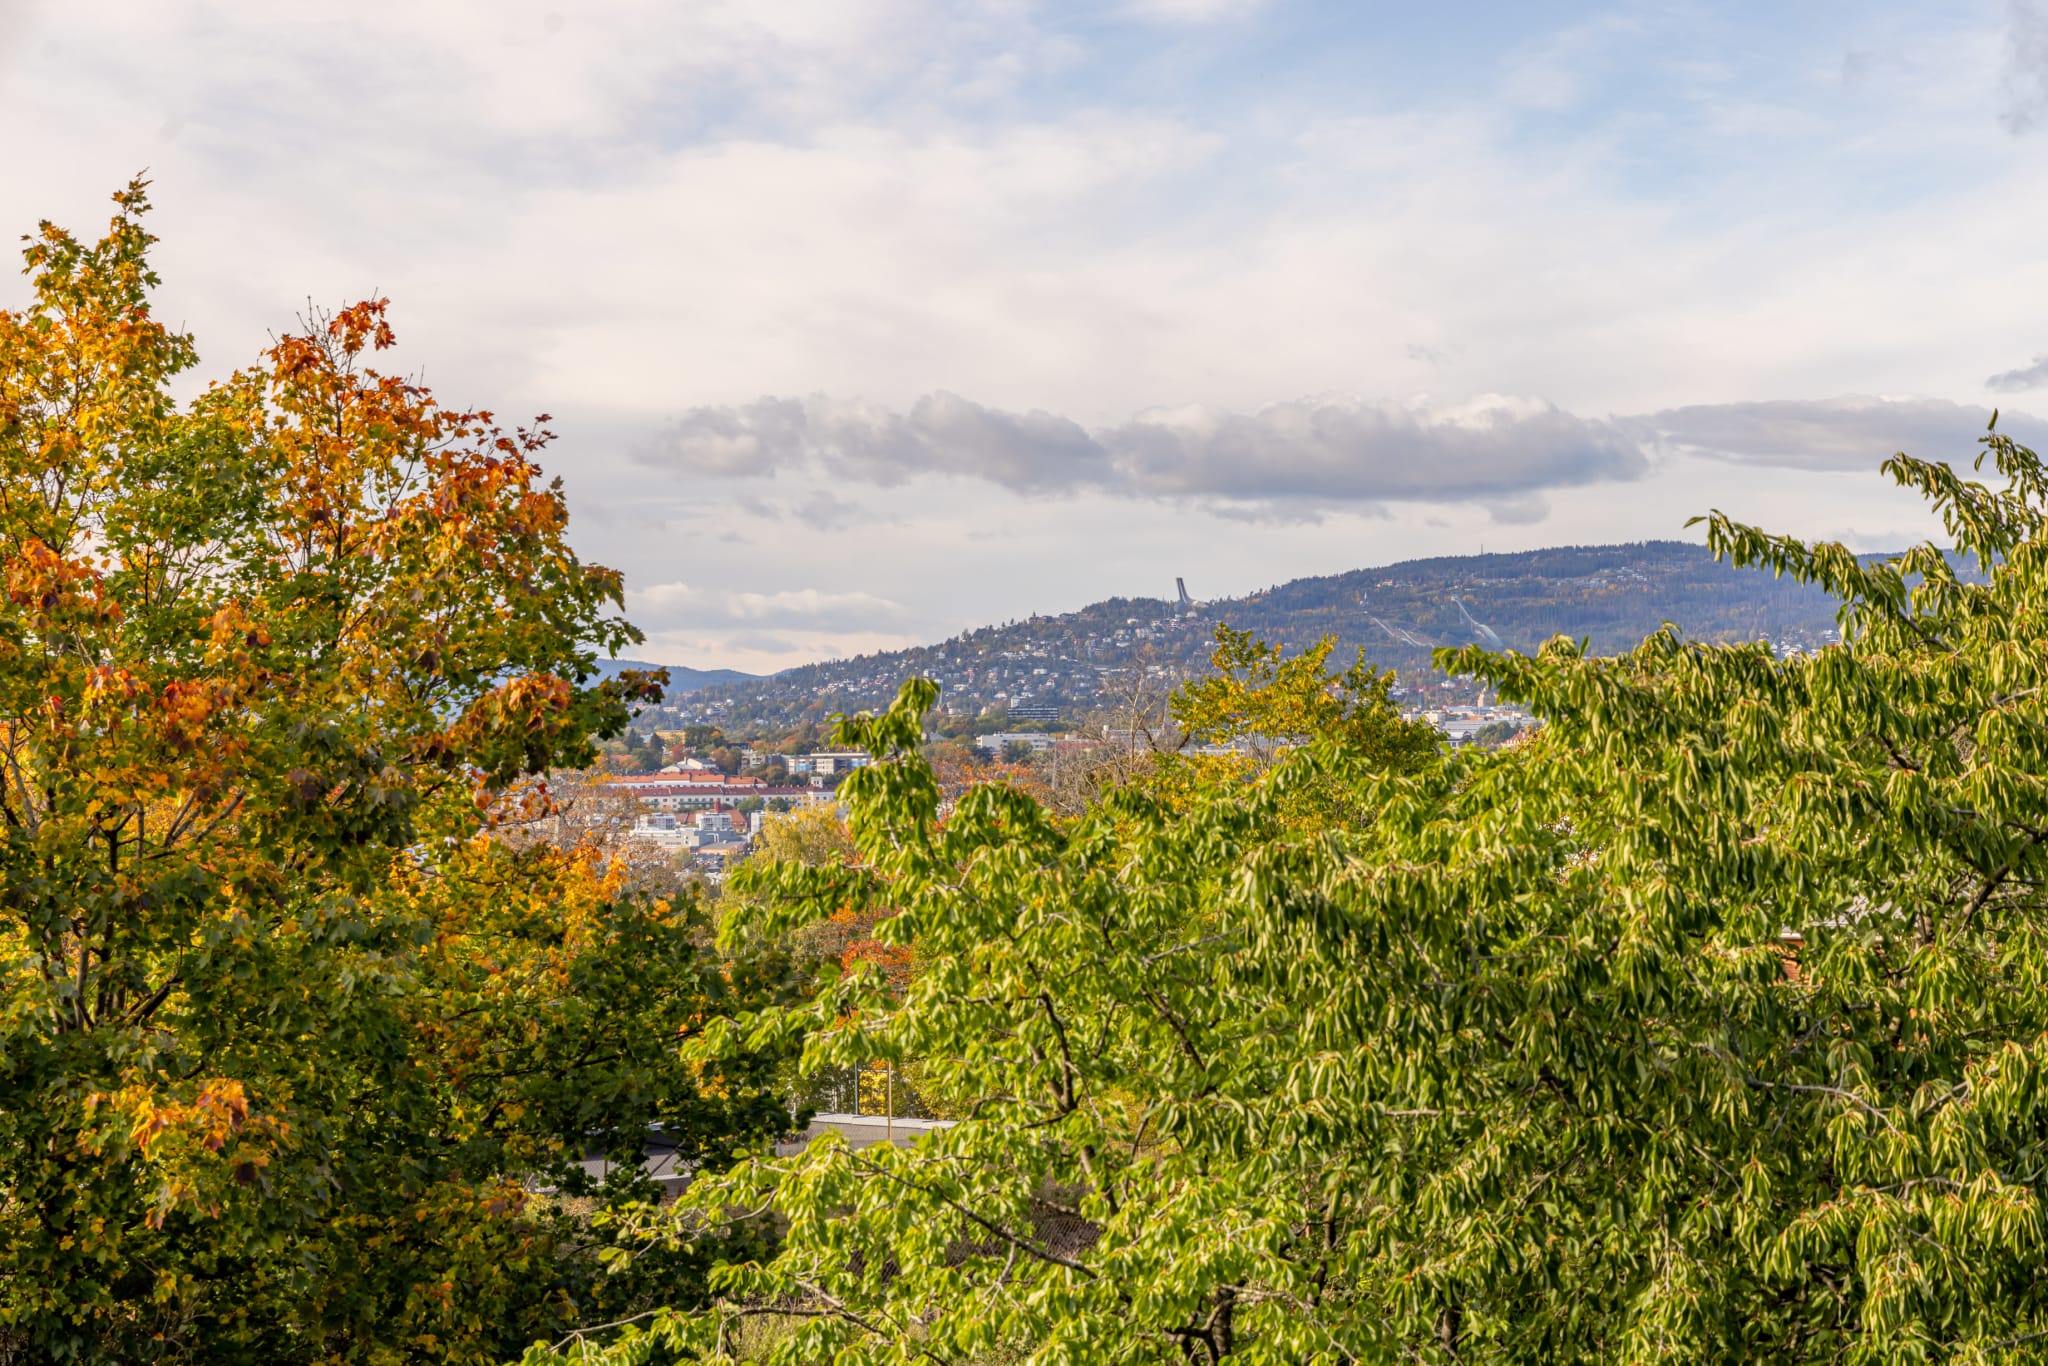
<point x="288" y="1040"/>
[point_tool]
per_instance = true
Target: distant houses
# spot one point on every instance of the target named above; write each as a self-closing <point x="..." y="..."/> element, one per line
<point x="691" y="808"/>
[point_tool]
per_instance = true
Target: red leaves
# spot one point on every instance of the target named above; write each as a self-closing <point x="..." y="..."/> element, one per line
<point x="359" y="321"/>
<point x="55" y="589"/>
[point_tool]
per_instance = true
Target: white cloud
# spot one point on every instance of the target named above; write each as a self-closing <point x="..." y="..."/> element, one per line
<point x="668" y="607"/>
<point x="1193" y="11"/>
<point x="813" y="607"/>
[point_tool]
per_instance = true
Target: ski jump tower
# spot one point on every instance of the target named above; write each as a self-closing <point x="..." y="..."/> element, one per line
<point x="1181" y="586"/>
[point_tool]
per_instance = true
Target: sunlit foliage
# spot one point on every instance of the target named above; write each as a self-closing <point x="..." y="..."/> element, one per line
<point x="1706" y="1024"/>
<point x="288" y="1040"/>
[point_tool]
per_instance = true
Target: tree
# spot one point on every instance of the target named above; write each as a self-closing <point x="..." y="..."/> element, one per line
<point x="700" y="739"/>
<point x="1494" y="734"/>
<point x="1704" y="1025"/>
<point x="287" y="1035"/>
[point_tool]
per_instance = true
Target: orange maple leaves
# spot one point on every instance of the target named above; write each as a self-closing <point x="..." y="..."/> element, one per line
<point x="200" y="1144"/>
<point x="57" y="591"/>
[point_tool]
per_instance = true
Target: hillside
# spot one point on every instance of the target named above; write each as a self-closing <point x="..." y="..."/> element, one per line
<point x="1613" y="595"/>
<point x="681" y="679"/>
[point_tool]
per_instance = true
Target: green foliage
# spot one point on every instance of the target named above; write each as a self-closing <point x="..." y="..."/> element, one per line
<point x="1258" y="694"/>
<point x="1708" y="1024"/>
<point x="289" y="1029"/>
<point x="1495" y="734"/>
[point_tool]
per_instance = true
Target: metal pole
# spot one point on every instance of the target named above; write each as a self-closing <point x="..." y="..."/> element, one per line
<point x="889" y="1103"/>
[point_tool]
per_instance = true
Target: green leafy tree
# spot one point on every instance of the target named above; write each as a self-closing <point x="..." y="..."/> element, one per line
<point x="1261" y="698"/>
<point x="288" y="1032"/>
<point x="1494" y="734"/>
<point x="701" y="739"/>
<point x="1706" y="1025"/>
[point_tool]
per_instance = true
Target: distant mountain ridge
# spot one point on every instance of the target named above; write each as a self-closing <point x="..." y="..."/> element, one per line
<point x="1610" y="595"/>
<point x="682" y="679"/>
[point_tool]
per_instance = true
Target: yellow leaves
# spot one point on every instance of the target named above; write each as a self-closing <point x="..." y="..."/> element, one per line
<point x="110" y="686"/>
<point x="185" y="707"/>
<point x="202" y="1146"/>
<point x="232" y="629"/>
<point x="214" y="1115"/>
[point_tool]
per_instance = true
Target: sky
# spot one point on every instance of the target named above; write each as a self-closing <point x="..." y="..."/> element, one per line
<point x="863" y="322"/>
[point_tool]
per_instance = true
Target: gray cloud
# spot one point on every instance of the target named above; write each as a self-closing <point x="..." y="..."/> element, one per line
<point x="819" y="510"/>
<point x="1525" y="510"/>
<point x="1323" y="450"/>
<point x="1851" y="432"/>
<point x="2026" y="66"/>
<point x="1333" y="450"/>
<point x="2017" y="381"/>
<point x="1293" y="462"/>
<point x="769" y="645"/>
<point x="941" y="434"/>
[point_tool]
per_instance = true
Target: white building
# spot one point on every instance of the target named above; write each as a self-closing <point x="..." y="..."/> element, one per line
<point x="826" y="762"/>
<point x="1003" y="739"/>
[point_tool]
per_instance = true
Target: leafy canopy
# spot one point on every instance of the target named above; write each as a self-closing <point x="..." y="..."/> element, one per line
<point x="1710" y="1023"/>
<point x="286" y="1032"/>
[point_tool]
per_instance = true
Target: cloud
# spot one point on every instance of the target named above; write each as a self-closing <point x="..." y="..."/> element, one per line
<point x="1525" y="510"/>
<point x="2026" y="66"/>
<point x="1851" y="432"/>
<point x="1192" y="11"/>
<point x="1347" y="449"/>
<point x="672" y="605"/>
<point x="812" y="607"/>
<point x="658" y="597"/>
<point x="818" y="510"/>
<point x="941" y="434"/>
<point x="2017" y="381"/>
<point x="1021" y="205"/>
<point x="1295" y="461"/>
<point x="1313" y="450"/>
<point x="756" y="644"/>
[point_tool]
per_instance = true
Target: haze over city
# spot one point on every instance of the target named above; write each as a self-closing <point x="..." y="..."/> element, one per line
<point x="865" y="323"/>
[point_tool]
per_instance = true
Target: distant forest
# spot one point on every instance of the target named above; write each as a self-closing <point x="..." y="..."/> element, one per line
<point x="1612" y="595"/>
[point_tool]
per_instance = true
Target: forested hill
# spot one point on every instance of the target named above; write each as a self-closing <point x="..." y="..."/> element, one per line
<point x="1613" y="595"/>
